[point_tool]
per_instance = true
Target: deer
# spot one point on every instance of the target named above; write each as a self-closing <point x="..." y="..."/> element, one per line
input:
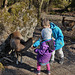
<point x="18" y="44"/>
<point x="68" y="23"/>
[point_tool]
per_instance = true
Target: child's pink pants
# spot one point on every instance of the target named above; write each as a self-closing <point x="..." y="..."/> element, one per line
<point x="39" y="67"/>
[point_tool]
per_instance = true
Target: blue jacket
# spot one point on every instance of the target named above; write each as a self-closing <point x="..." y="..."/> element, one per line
<point x="57" y="34"/>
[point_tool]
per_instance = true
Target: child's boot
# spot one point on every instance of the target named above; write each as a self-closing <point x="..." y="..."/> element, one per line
<point x="61" y="61"/>
<point x="38" y="72"/>
<point x="49" y="73"/>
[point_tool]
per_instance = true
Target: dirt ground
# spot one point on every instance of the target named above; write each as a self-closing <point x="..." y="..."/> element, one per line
<point x="28" y="67"/>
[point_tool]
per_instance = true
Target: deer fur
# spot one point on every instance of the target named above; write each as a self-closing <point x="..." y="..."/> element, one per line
<point x="69" y="23"/>
<point x="15" y="43"/>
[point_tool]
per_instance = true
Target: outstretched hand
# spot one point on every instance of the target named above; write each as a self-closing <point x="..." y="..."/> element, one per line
<point x="32" y="47"/>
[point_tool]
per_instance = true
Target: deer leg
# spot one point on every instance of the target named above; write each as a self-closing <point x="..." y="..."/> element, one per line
<point x="15" y="54"/>
<point x="21" y="58"/>
<point x="17" y="59"/>
<point x="10" y="52"/>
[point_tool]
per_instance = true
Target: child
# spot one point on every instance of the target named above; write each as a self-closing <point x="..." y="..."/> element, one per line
<point x="59" y="42"/>
<point x="46" y="47"/>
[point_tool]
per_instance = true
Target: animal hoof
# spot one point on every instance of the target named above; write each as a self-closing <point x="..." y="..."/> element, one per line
<point x="17" y="62"/>
<point x="21" y="62"/>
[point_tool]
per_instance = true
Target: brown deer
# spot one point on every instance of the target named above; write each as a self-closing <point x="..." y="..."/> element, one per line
<point x="18" y="44"/>
<point x="68" y="23"/>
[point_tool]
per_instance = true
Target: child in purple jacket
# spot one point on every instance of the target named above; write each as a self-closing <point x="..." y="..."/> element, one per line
<point x="46" y="48"/>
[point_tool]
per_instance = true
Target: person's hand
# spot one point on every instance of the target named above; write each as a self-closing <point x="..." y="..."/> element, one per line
<point x="53" y="38"/>
<point x="32" y="47"/>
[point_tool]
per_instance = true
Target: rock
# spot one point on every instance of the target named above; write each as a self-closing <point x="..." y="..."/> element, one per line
<point x="18" y="17"/>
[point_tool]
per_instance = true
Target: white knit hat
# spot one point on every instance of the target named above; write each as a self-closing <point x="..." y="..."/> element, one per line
<point x="46" y="33"/>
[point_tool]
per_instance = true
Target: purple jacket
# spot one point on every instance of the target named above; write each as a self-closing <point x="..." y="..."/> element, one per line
<point x="45" y="51"/>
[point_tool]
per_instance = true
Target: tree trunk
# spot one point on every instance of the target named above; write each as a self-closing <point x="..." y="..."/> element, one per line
<point x="1" y="3"/>
<point x="40" y="6"/>
<point x="47" y="6"/>
<point x="6" y="2"/>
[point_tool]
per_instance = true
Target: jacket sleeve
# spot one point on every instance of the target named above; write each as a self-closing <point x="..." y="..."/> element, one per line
<point x="59" y="36"/>
<point x="37" y="43"/>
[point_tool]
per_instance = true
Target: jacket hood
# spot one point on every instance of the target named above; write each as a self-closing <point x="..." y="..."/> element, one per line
<point x="52" y="25"/>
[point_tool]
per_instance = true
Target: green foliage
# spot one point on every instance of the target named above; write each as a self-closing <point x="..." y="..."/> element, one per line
<point x="72" y="4"/>
<point x="5" y="16"/>
<point x="60" y="3"/>
<point x="25" y="18"/>
<point x="10" y="2"/>
<point x="1" y="66"/>
<point x="46" y="0"/>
